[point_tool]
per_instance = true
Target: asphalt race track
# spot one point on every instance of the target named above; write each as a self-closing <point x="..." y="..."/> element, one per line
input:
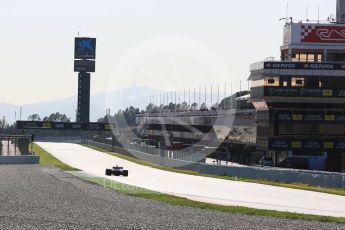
<point x="197" y="188"/>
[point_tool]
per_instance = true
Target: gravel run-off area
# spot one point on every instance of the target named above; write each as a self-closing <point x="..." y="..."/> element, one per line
<point x="43" y="197"/>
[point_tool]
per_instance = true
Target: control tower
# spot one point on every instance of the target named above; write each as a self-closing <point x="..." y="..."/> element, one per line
<point x="300" y="99"/>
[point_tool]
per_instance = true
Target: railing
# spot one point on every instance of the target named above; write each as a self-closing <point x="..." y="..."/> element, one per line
<point x="15" y="145"/>
<point x="196" y="113"/>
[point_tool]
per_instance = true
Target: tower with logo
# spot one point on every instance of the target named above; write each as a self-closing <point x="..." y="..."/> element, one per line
<point x="84" y="64"/>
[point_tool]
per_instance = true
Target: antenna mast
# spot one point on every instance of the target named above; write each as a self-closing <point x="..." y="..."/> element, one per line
<point x="287" y="13"/>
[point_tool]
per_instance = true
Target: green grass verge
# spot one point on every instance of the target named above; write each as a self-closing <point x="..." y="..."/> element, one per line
<point x="334" y="191"/>
<point x="47" y="159"/>
<point x="173" y="200"/>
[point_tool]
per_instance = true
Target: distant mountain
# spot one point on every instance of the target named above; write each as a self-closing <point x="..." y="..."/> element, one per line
<point x="8" y="111"/>
<point x="136" y="96"/>
<point x="115" y="100"/>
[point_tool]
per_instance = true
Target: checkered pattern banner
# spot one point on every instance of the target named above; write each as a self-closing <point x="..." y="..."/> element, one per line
<point x="314" y="33"/>
<point x="306" y="31"/>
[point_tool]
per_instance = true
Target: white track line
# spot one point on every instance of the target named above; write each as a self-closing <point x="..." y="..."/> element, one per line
<point x="210" y="190"/>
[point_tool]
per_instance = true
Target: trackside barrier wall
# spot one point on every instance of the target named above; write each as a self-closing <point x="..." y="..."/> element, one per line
<point x="323" y="179"/>
<point x="23" y="159"/>
<point x="63" y="139"/>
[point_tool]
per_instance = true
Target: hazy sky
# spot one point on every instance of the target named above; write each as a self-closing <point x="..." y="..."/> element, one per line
<point x="164" y="44"/>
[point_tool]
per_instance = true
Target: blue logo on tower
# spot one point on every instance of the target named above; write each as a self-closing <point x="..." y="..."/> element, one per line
<point x="85" y="48"/>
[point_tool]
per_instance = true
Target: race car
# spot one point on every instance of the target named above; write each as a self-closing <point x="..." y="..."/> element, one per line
<point x="116" y="171"/>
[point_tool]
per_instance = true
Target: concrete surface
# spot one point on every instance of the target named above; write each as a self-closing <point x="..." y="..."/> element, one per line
<point x="316" y="178"/>
<point x="204" y="189"/>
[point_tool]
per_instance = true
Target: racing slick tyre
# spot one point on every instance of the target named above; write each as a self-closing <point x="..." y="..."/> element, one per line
<point x="125" y="172"/>
<point x="108" y="172"/>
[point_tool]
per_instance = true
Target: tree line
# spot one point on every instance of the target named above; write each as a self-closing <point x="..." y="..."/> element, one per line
<point x="123" y="118"/>
<point x="54" y="117"/>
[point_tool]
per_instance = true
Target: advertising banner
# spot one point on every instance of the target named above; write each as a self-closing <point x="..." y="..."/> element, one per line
<point x="322" y="34"/>
<point x="85" y="48"/>
<point x="84" y="66"/>
<point x="306" y="144"/>
<point x="65" y="125"/>
<point x="304" y="65"/>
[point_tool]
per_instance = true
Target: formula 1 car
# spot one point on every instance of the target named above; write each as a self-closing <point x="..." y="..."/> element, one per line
<point x="116" y="171"/>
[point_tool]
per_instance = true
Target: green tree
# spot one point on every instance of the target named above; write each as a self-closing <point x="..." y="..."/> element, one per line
<point x="184" y="107"/>
<point x="172" y="107"/>
<point x="57" y="117"/>
<point x="34" y="117"/>
<point x="203" y="107"/>
<point x="2" y="124"/>
<point x="194" y="106"/>
<point x="123" y="118"/>
<point x="149" y="108"/>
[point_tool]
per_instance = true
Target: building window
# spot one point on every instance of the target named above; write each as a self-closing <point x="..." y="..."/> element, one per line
<point x="303" y="57"/>
<point x="336" y="56"/>
<point x="268" y="81"/>
<point x="272" y="81"/>
<point x="297" y="82"/>
<point x="307" y="55"/>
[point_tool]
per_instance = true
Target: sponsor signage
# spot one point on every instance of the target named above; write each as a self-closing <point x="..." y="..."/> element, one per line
<point x="93" y="126"/>
<point x="304" y="65"/>
<point x="84" y="48"/>
<point x="307" y="144"/>
<point x="64" y="125"/>
<point x="302" y="92"/>
<point x="318" y="34"/>
<point x="84" y="66"/>
<point x="309" y="116"/>
<point x="322" y="33"/>
<point x="279" y="144"/>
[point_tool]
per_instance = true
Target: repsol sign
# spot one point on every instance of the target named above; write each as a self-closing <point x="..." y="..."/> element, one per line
<point x="283" y="66"/>
<point x="321" y="66"/>
<point x="304" y="65"/>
